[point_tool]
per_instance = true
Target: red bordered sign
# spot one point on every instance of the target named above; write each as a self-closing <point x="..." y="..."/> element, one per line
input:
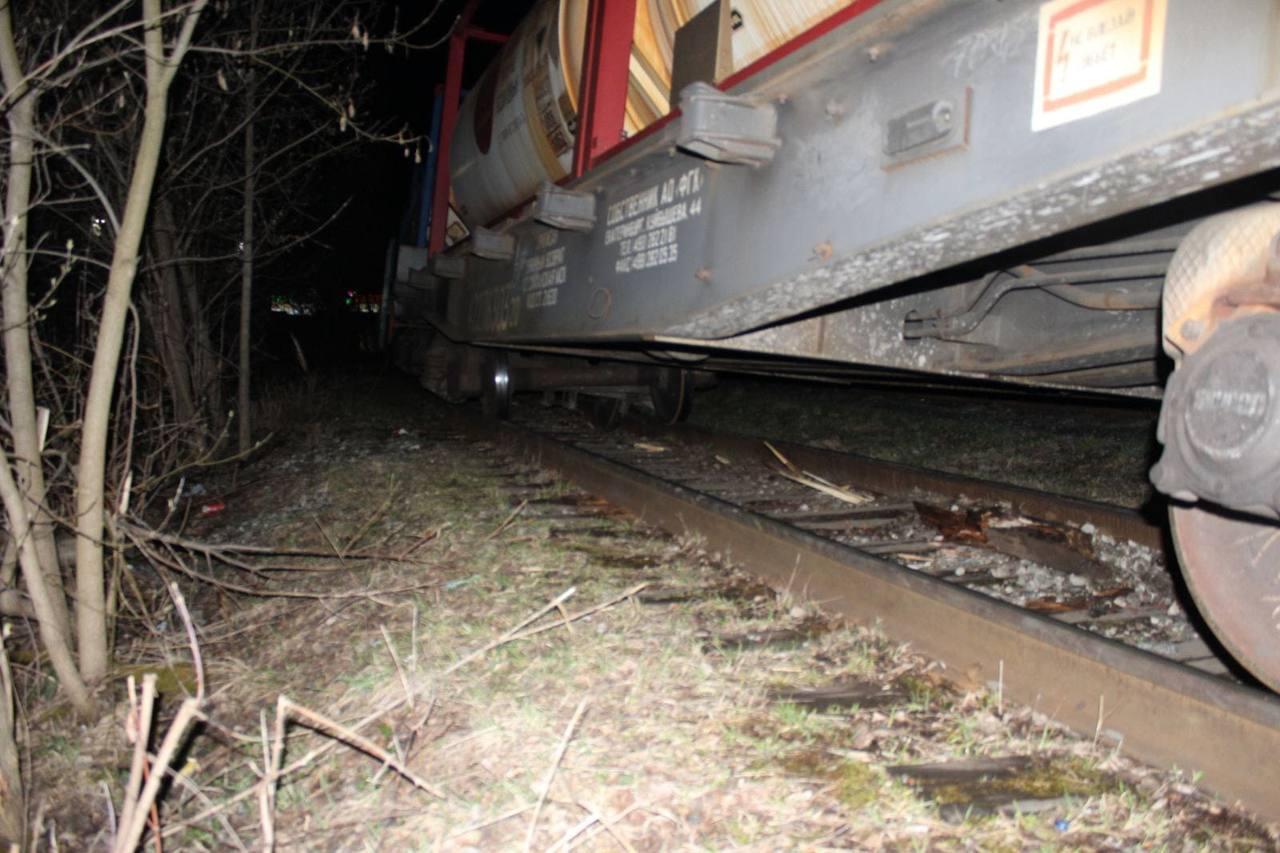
<point x="1096" y="55"/>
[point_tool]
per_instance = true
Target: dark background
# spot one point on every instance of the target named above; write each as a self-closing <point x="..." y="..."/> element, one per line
<point x="347" y="260"/>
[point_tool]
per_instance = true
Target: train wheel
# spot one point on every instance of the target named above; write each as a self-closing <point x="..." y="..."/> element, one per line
<point x="672" y="395"/>
<point x="495" y="400"/>
<point x="1231" y="563"/>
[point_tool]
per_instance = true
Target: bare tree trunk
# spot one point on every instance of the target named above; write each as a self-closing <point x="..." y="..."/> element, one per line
<point x="91" y="612"/>
<point x="64" y="666"/>
<point x="17" y="335"/>
<point x="170" y="331"/>
<point x="246" y="264"/>
<point x="13" y="813"/>
<point x="206" y="377"/>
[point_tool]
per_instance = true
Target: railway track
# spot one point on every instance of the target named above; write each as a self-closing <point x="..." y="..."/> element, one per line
<point x="1061" y="604"/>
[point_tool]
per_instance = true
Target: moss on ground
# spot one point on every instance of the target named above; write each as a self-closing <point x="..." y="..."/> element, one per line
<point x="1050" y="779"/>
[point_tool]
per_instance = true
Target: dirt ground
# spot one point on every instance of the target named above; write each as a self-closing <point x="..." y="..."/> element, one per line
<point x="537" y="672"/>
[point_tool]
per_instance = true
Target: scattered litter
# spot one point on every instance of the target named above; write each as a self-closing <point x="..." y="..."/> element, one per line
<point x="212" y="508"/>
<point x="459" y="583"/>
<point x="649" y="448"/>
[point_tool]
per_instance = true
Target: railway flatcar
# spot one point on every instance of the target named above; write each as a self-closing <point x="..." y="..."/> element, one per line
<point x="1067" y="193"/>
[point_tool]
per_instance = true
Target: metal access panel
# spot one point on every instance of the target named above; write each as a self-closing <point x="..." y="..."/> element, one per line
<point x="918" y="136"/>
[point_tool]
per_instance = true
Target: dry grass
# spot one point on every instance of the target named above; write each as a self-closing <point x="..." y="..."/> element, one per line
<point x="626" y="728"/>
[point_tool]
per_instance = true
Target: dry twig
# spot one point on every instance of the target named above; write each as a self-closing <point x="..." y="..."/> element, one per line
<point x="605" y="825"/>
<point x="511" y="632"/>
<point x="337" y="552"/>
<point x="197" y="661"/>
<point x="293" y="766"/>
<point x="813" y="481"/>
<point x="404" y="681"/>
<point x="228" y="553"/>
<point x="136" y="811"/>
<point x="506" y="522"/>
<point x="551" y="772"/>
<point x="287" y="709"/>
<point x="476" y="827"/>
<point x="419" y="542"/>
<point x="582" y="614"/>
<point x="171" y="561"/>
<point x="372" y="519"/>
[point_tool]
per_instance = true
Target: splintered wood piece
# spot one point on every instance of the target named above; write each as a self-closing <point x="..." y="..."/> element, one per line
<point x="1049" y="604"/>
<point x="670" y="595"/>
<point x="896" y="546"/>
<point x="570" y="500"/>
<point x="880" y="511"/>
<point x="963" y="770"/>
<point x="1058" y="547"/>
<point x="1055" y="546"/>
<point x="838" y="524"/>
<point x="863" y="694"/>
<point x="792" y="636"/>
<point x="759" y="639"/>
<point x="597" y="532"/>
<point x="1119" y="617"/>
<point x="964" y="525"/>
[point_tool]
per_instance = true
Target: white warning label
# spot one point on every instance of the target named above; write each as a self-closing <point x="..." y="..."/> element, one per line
<point x="1095" y="55"/>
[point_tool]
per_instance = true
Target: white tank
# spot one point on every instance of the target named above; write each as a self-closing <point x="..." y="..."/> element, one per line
<point x="516" y="128"/>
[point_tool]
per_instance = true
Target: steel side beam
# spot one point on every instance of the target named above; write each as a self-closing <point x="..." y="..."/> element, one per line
<point x="1162" y="713"/>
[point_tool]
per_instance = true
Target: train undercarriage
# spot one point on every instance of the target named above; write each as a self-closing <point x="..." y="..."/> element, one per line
<point x="1074" y="194"/>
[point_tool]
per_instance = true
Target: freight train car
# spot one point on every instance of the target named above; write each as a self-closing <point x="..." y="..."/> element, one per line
<point x="1068" y="193"/>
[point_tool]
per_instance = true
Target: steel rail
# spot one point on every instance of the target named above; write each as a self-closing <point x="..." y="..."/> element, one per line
<point x="1158" y="711"/>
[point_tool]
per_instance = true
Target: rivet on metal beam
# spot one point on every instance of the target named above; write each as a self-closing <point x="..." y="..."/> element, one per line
<point x="565" y="209"/>
<point x="493" y="245"/>
<point x="450" y="267"/>
<point x="726" y="128"/>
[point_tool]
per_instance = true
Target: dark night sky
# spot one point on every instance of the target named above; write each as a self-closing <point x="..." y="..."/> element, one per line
<point x="402" y="89"/>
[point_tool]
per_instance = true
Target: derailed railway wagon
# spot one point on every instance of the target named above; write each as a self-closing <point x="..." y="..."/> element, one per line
<point x="1072" y="193"/>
